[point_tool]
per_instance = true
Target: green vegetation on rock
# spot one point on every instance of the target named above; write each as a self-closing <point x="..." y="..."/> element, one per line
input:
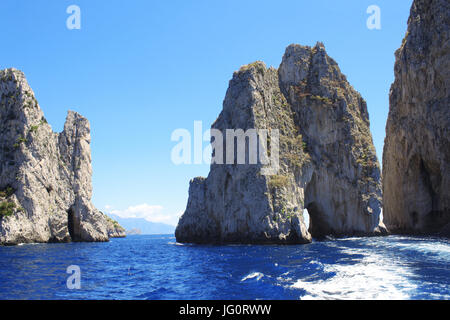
<point x="258" y="65"/>
<point x="278" y="181"/>
<point x="7" y="208"/>
<point x="322" y="99"/>
<point x="7" y="192"/>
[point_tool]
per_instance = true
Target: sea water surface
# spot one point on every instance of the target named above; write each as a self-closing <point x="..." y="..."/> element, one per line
<point x="156" y="267"/>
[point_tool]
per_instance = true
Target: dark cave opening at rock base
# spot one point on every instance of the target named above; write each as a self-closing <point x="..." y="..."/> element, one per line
<point x="73" y="225"/>
<point x="318" y="225"/>
<point x="426" y="212"/>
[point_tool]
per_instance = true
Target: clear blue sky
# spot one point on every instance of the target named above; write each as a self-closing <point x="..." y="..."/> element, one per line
<point x="140" y="69"/>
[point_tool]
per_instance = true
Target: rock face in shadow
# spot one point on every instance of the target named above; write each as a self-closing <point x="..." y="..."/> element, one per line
<point x="416" y="160"/>
<point x="45" y="177"/>
<point x="327" y="160"/>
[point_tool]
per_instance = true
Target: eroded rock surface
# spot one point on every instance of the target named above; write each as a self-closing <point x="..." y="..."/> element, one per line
<point x="114" y="229"/>
<point x="327" y="161"/>
<point x="45" y="177"/>
<point x="416" y="160"/>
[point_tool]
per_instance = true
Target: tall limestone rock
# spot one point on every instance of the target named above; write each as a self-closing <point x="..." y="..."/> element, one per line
<point x="416" y="160"/>
<point x="45" y="177"/>
<point x="327" y="159"/>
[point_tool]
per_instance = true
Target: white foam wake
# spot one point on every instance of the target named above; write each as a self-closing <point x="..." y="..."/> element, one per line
<point x="373" y="277"/>
<point x="253" y="275"/>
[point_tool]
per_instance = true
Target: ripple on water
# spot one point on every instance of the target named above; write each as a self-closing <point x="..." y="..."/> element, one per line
<point x="157" y="267"/>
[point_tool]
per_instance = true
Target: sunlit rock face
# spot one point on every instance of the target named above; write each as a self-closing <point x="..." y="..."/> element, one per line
<point x="416" y="160"/>
<point x="45" y="177"/>
<point x="327" y="159"/>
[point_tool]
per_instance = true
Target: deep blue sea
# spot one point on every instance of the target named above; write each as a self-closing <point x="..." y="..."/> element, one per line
<point x="156" y="267"/>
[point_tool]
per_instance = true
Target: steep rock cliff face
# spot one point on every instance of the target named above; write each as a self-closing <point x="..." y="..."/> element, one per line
<point x="327" y="159"/>
<point x="114" y="229"/>
<point x="45" y="177"/>
<point x="416" y="160"/>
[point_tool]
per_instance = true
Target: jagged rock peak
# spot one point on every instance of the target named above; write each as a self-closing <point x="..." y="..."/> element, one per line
<point x="45" y="177"/>
<point x="416" y="158"/>
<point x="327" y="161"/>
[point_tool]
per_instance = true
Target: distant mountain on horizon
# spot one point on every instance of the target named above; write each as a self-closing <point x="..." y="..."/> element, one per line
<point x="146" y="227"/>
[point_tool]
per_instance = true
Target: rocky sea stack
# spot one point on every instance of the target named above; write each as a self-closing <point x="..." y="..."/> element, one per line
<point x="416" y="160"/>
<point x="328" y="163"/>
<point x="45" y="177"/>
